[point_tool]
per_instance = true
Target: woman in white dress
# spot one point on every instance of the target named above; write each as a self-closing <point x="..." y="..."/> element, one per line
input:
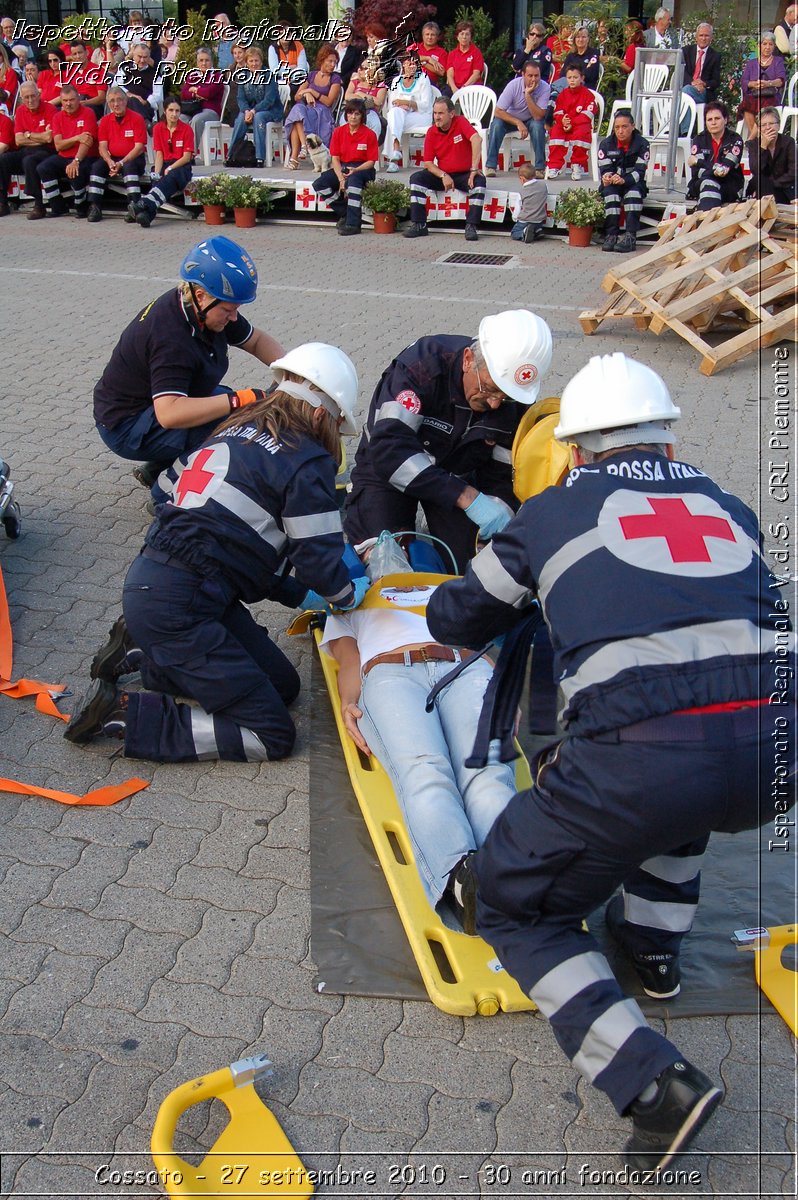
<point x="410" y="102"/>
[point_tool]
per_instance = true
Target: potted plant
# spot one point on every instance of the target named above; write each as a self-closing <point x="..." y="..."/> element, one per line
<point x="386" y="198"/>
<point x="581" y="209"/>
<point x="245" y="196"/>
<point x="210" y="191"/>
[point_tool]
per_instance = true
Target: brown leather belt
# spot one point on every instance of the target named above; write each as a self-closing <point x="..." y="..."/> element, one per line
<point x="433" y="653"/>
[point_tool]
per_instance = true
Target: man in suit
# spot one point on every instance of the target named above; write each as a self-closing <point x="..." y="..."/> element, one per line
<point x="659" y="36"/>
<point x="702" y="66"/>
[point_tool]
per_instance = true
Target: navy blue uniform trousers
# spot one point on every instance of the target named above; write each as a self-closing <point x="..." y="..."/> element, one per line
<point x="599" y="809"/>
<point x="201" y="642"/>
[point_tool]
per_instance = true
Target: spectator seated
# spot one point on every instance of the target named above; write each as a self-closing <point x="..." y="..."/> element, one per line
<point x="122" y="137"/>
<point x="137" y="75"/>
<point x="259" y="105"/>
<point x="354" y="152"/>
<point x="203" y="93"/>
<point x="572" y="128"/>
<point x="173" y="146"/>
<point x="373" y="96"/>
<point x="30" y="143"/>
<point x="452" y="151"/>
<point x="716" y="161"/>
<point x="771" y="158"/>
<point x="409" y="108"/>
<point x="520" y="108"/>
<point x="313" y="110"/>
<point x="75" y="143"/>
<point x="622" y="161"/>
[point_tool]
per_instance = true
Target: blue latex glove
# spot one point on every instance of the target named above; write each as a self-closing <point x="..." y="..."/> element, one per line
<point x="490" y="514"/>
<point x="361" y="585"/>
<point x="313" y="602"/>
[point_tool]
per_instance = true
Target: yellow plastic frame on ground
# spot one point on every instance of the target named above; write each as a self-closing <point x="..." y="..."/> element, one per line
<point x="461" y="974"/>
<point x="779" y="983"/>
<point x="251" y="1157"/>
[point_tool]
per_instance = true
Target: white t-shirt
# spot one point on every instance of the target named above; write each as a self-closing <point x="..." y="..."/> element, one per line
<point x="381" y="630"/>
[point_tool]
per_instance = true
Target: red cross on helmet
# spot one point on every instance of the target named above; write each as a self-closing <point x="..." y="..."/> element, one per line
<point x="516" y="346"/>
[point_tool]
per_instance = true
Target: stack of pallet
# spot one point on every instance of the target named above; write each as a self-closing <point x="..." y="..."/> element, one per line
<point x="730" y="269"/>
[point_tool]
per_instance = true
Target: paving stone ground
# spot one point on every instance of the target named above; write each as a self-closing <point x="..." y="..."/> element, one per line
<point x="162" y="938"/>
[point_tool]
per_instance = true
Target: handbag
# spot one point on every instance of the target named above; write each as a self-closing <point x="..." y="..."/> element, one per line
<point x="191" y="107"/>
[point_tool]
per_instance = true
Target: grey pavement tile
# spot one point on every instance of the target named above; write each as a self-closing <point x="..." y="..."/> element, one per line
<point x="285" y="863"/>
<point x="197" y="1055"/>
<point x="355" y="1037"/>
<point x="50" y="1176"/>
<point x="39" y="1007"/>
<point x="119" y="825"/>
<point x="24" y="885"/>
<point x="117" y="1093"/>
<point x="72" y="931"/>
<point x="225" y="889"/>
<point x="177" y="804"/>
<point x="202" y="1009"/>
<point x="125" y="982"/>
<point x="208" y="956"/>
<point x="749" y="1176"/>
<point x="290" y="985"/>
<point x="230" y="844"/>
<point x="285" y="932"/>
<point x="290" y="1038"/>
<point x="543" y="1110"/>
<point x="151" y="909"/>
<point x="451" y="1070"/>
<point x="36" y="847"/>
<point x="120" y="1037"/>
<point x="155" y="865"/>
<point x="32" y="1066"/>
<point x="362" y="1098"/>
<point x="289" y="828"/>
<point x="423" y="1020"/>
<point x="26" y="1122"/>
<point x="22" y="960"/>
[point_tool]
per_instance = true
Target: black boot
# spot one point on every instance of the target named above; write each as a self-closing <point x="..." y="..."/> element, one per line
<point x="101" y="712"/>
<point x="118" y="656"/>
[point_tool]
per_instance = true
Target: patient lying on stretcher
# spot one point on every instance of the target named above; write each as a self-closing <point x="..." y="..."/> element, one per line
<point x="388" y="663"/>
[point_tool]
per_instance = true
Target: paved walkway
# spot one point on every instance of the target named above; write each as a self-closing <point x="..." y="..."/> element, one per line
<point x="166" y="936"/>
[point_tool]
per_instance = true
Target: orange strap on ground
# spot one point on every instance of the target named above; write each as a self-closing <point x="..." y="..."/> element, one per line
<point x="100" y="796"/>
<point x="45" y="704"/>
<point x="22" y="687"/>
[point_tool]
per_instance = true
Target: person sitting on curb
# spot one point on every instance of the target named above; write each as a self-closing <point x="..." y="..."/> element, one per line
<point x="388" y="661"/>
<point x="623" y="161"/>
<point x="122" y="136"/>
<point x="173" y="143"/>
<point x="354" y="152"/>
<point x="452" y="154"/>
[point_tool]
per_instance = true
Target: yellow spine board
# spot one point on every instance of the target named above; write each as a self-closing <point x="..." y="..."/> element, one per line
<point x="778" y="982"/>
<point x="251" y="1157"/>
<point x="461" y="974"/>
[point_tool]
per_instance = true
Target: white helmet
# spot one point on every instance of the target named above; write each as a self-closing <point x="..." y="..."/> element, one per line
<point x="615" y="401"/>
<point x="330" y="370"/>
<point x="516" y="346"/>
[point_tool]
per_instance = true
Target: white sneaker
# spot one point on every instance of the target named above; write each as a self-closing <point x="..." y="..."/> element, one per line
<point x="490" y="173"/>
<point x="576" y="172"/>
<point x="392" y="167"/>
<point x="554" y="172"/>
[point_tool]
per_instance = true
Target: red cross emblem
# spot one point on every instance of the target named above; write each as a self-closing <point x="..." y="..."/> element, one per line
<point x="417" y="158"/>
<point x="687" y="533"/>
<point x="684" y="532"/>
<point x="492" y="208"/>
<point x="447" y="207"/>
<point x="305" y="197"/>
<point x="520" y="158"/>
<point x="194" y="478"/>
<point x="526" y="374"/>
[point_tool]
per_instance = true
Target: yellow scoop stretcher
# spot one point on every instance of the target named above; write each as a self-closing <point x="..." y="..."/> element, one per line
<point x="251" y="1157"/>
<point x="461" y="974"/>
<point x="777" y="979"/>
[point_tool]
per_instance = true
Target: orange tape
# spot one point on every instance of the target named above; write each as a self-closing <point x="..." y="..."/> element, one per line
<point x="22" y="687"/>
<point x="100" y="796"/>
<point x="45" y="704"/>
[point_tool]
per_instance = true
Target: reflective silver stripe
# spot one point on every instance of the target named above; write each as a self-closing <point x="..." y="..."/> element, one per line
<point x="691" y="643"/>
<point x="672" y="869"/>
<point x="567" y="979"/>
<point x="254" y="749"/>
<point x="203" y="734"/>
<point x="340" y="595"/>
<point x="567" y="556"/>
<point x="391" y="410"/>
<point x="501" y="454"/>
<point x="259" y="519"/>
<point x="315" y="525"/>
<point x="656" y="914"/>
<point x="165" y="483"/>
<point x="497" y="580"/>
<point x="605" y="1037"/>
<point x="410" y="470"/>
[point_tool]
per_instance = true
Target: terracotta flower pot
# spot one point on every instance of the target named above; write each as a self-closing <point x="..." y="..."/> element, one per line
<point x="214" y="214"/>
<point x="245" y="217"/>
<point x="384" y="222"/>
<point x="580" y="235"/>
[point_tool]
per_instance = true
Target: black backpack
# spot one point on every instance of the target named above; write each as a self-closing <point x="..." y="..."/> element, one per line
<point x="242" y="154"/>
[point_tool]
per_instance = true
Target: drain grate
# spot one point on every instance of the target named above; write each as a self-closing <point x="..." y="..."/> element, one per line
<point x="461" y="259"/>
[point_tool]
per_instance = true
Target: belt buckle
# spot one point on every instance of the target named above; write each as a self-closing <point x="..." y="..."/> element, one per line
<point x="425" y="655"/>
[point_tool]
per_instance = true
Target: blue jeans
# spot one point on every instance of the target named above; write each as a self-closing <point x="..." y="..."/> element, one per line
<point x="448" y="807"/>
<point x="258" y="127"/>
<point x="499" y="130"/>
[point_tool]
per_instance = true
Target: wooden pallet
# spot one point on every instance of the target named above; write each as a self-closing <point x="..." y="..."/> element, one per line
<point x="732" y="267"/>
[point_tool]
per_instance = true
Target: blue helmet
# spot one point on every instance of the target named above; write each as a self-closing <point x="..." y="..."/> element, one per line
<point x="222" y="269"/>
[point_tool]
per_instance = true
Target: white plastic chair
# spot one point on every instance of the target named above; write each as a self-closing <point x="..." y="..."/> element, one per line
<point x="655" y="79"/>
<point x="596" y="138"/>
<point x="474" y="102"/>
<point x="792" y="88"/>
<point x="214" y="127"/>
<point x="789" y="115"/>
<point x="654" y="126"/>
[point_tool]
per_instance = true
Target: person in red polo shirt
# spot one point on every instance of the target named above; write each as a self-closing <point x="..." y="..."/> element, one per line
<point x="452" y="150"/>
<point x="75" y="141"/>
<point x="33" y="142"/>
<point x="465" y="64"/>
<point x="354" y="152"/>
<point x="89" y="80"/>
<point x="122" y="135"/>
<point x="434" y="59"/>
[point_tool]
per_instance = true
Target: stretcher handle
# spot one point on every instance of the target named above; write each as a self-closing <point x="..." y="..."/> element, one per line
<point x="206" y="1087"/>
